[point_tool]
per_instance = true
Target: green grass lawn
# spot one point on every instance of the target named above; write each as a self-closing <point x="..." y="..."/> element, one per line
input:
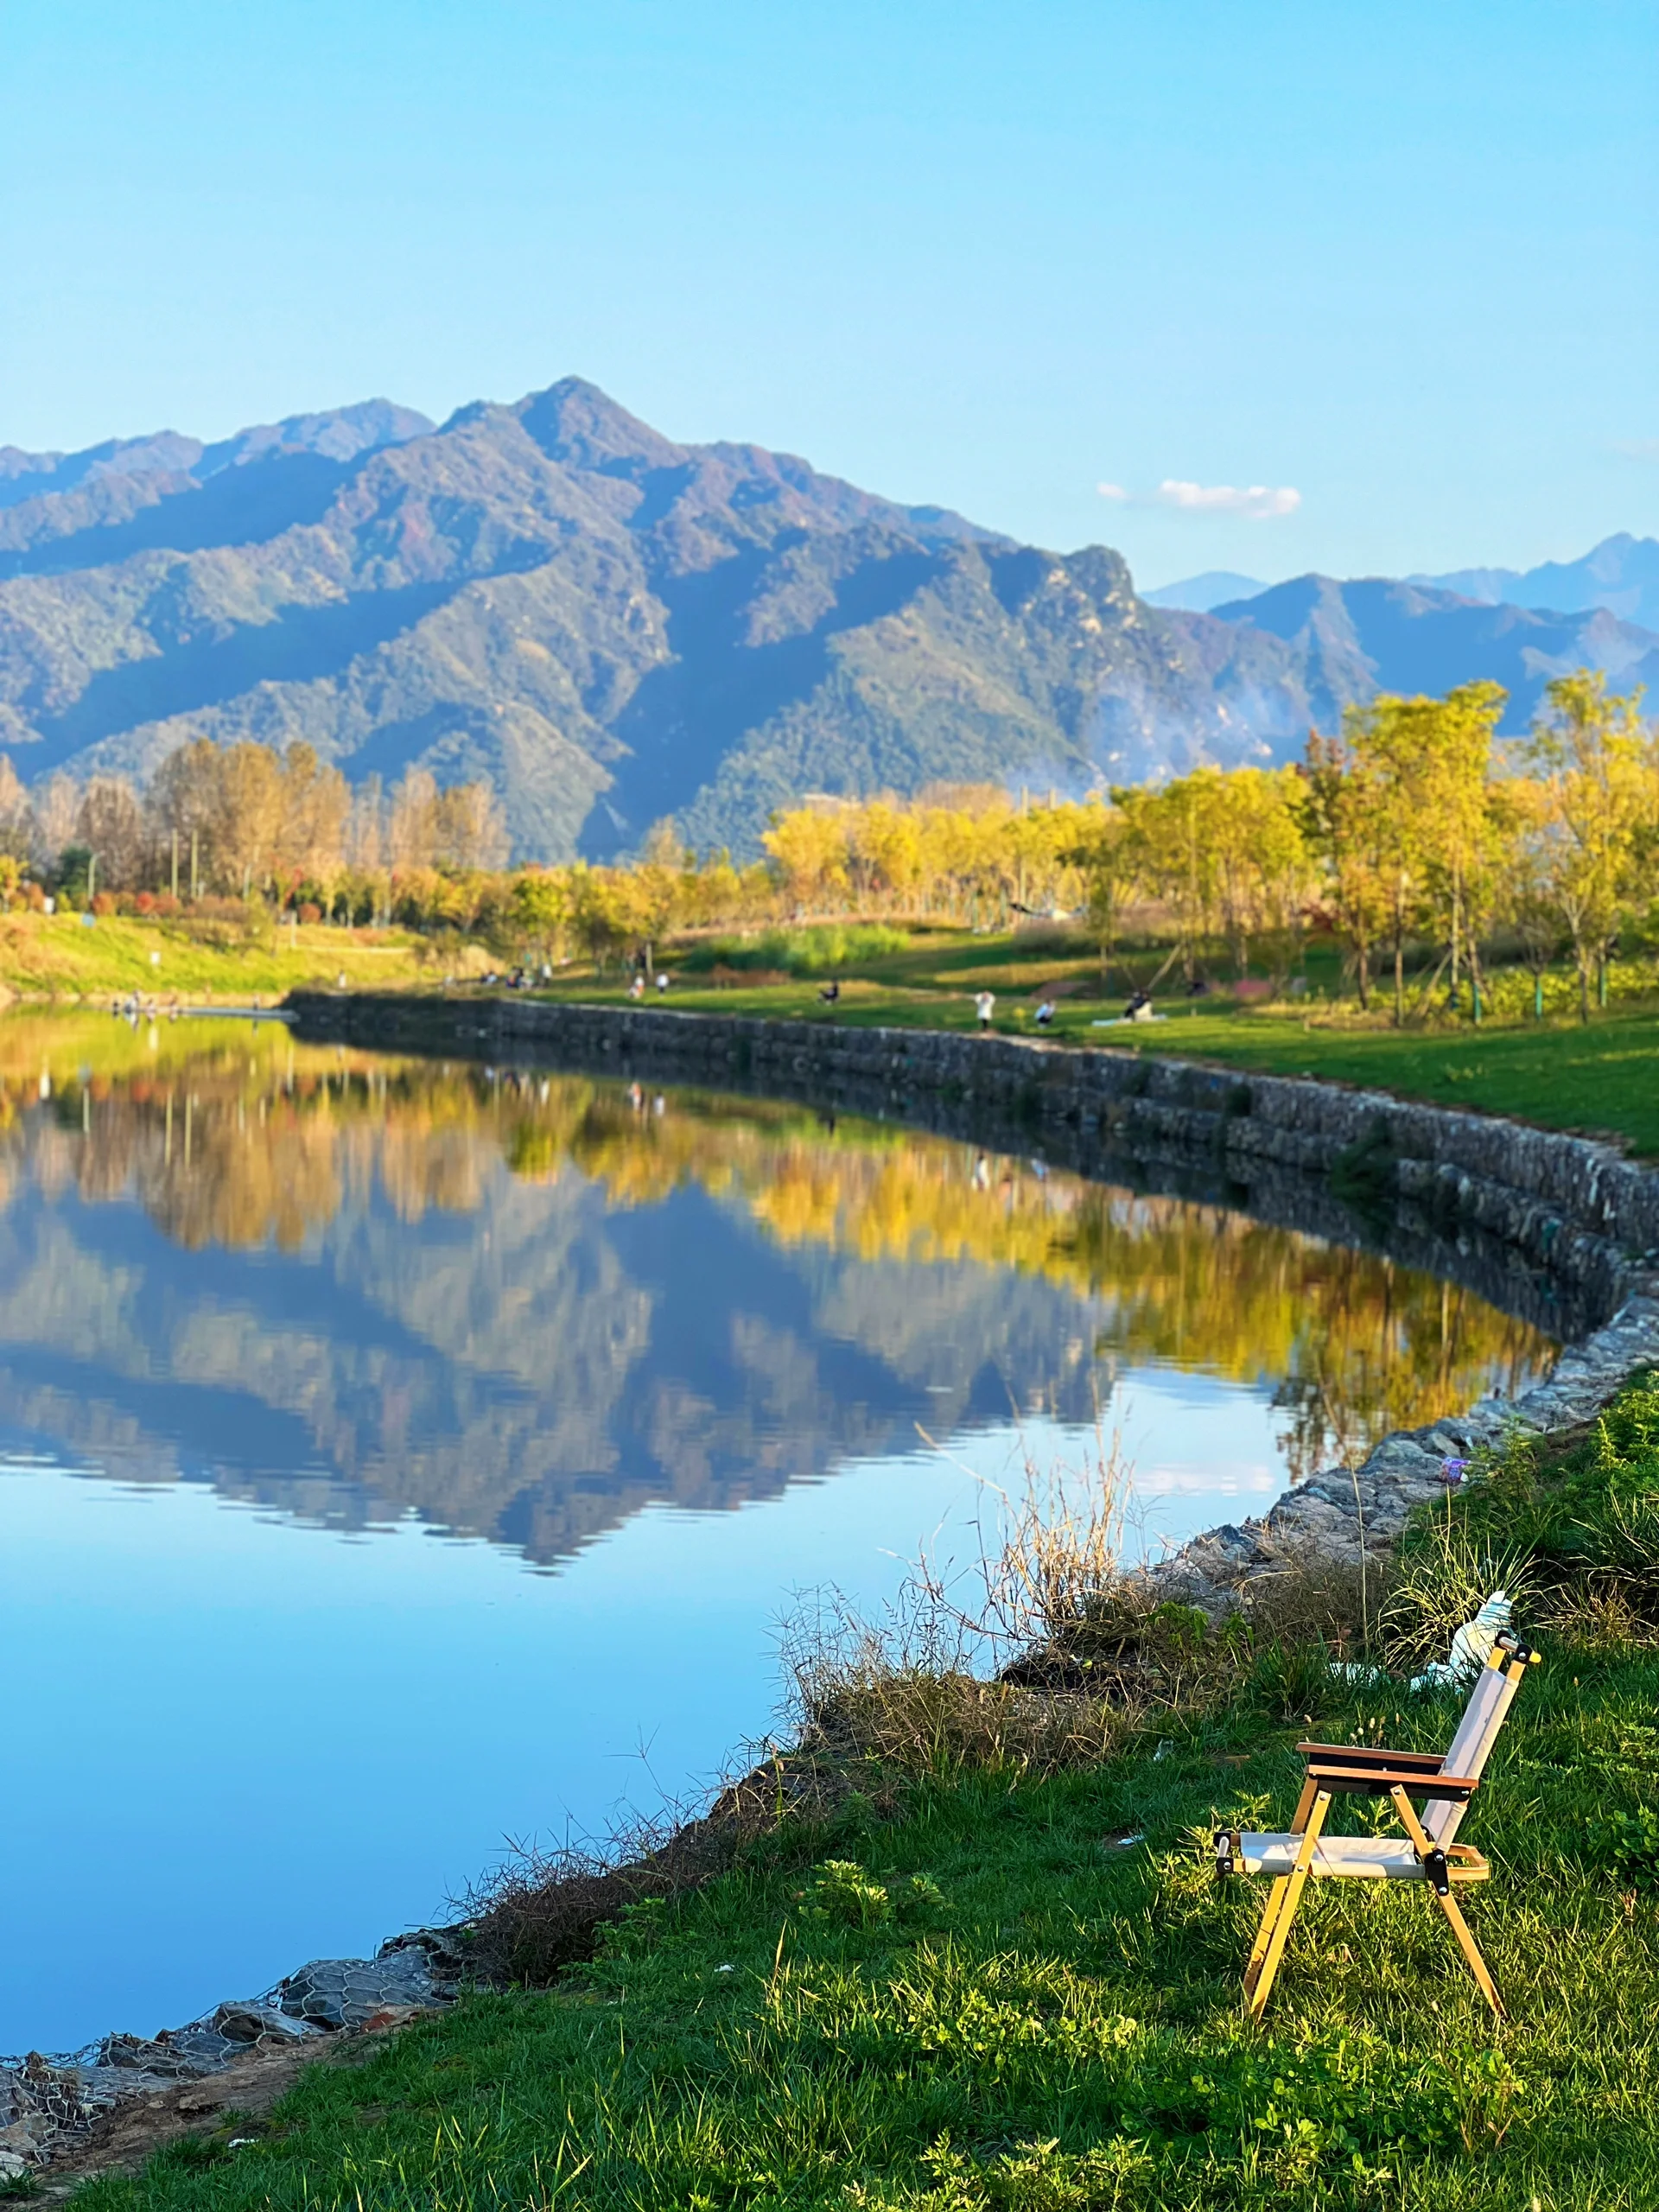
<point x="1604" y="1077"/>
<point x="1023" y="1994"/>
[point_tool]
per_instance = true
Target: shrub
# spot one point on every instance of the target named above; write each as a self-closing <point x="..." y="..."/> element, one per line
<point x="822" y="948"/>
<point x="1440" y="1577"/>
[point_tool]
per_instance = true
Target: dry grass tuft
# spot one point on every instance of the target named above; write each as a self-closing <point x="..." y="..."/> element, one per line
<point x="1308" y="1597"/>
<point x="922" y="1722"/>
<point x="1440" y="1581"/>
<point x="1603" y="1619"/>
<point x="543" y="1911"/>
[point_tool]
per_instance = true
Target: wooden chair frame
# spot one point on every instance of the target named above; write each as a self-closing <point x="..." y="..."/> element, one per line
<point x="1425" y="1853"/>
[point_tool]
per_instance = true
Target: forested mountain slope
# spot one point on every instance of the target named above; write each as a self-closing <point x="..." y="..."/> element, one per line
<point x="611" y="626"/>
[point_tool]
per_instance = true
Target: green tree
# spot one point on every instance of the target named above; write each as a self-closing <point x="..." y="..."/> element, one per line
<point x="540" y="908"/>
<point x="1433" y="838"/>
<point x="1594" y="763"/>
<point x="1107" y="858"/>
<point x="1346" y="812"/>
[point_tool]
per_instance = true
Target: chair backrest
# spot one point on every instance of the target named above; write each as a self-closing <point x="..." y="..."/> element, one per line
<point x="1471" y="1746"/>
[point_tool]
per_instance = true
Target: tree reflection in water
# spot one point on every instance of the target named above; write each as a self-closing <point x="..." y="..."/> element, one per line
<point x="524" y="1305"/>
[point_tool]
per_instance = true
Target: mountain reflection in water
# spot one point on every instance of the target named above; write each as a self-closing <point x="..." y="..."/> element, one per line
<point x="524" y="1307"/>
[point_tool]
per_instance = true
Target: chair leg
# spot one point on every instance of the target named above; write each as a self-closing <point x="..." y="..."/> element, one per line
<point x="1295" y="1883"/>
<point x="1449" y="1906"/>
<point x="1275" y="1897"/>
<point x="1471" y="1950"/>
<point x="1269" y="1918"/>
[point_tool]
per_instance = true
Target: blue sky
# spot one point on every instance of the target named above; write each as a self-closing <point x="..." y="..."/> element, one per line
<point x="1393" y="271"/>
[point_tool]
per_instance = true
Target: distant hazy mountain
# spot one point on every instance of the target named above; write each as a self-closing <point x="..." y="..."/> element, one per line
<point x="1621" y="574"/>
<point x="1352" y="639"/>
<point x="1198" y="594"/>
<point x="614" y="628"/>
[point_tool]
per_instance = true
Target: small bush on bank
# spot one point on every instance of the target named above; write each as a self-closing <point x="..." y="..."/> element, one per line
<point x="819" y="948"/>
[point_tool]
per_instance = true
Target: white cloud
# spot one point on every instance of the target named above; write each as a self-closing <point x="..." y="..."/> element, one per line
<point x="1259" y="501"/>
<point x="1256" y="502"/>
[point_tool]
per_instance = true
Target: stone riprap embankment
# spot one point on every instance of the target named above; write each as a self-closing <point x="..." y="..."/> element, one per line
<point x="1561" y="1229"/>
<point x="1344" y="1513"/>
<point x="51" y="2107"/>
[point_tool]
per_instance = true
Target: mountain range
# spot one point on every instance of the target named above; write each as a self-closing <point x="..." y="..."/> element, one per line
<point x="1621" y="574"/>
<point x="614" y="628"/>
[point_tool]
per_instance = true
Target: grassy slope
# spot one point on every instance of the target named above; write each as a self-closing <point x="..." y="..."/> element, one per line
<point x="1066" y="2032"/>
<point x="1604" y="1077"/>
<point x="55" y="956"/>
<point x="1055" y="2021"/>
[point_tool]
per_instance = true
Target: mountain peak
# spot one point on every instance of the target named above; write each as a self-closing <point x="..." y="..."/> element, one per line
<point x="575" y="422"/>
<point x="338" y="434"/>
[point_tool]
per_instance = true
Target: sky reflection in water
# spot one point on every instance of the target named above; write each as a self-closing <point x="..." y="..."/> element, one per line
<point x="589" y="1389"/>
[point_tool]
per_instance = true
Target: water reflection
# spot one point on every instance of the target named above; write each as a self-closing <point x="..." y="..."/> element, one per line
<point x="524" y="1307"/>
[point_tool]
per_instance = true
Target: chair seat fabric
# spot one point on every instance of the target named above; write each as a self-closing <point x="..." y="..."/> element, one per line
<point x="1374" y="1858"/>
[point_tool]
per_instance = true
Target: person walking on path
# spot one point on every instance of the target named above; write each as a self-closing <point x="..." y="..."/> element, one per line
<point x="985" y="1006"/>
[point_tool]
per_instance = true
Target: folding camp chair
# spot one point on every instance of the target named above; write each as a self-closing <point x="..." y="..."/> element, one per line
<point x="1426" y="1853"/>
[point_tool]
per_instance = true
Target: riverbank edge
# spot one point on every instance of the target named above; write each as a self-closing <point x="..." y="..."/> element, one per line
<point x="1569" y="1210"/>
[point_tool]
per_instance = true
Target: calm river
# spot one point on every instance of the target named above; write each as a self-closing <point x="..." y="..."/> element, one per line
<point x="397" y="1460"/>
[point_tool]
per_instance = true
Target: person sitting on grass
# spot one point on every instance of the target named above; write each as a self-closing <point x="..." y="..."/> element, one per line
<point x="1046" y="1013"/>
<point x="1139" y="1007"/>
<point x="831" y="992"/>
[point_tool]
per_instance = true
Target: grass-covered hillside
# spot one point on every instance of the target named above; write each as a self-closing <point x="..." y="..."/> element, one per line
<point x="1000" y="1972"/>
<point x="67" y="957"/>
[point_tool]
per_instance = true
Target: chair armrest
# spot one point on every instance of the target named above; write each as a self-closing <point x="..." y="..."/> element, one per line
<point x="1377" y="1779"/>
<point x="1373" y="1755"/>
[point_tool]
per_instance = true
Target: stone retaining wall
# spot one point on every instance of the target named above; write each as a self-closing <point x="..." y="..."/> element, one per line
<point x="1560" y="1229"/>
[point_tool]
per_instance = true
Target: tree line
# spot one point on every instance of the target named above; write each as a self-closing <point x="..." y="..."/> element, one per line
<point x="1416" y="837"/>
<point x="1428" y="848"/>
<point x="240" y="821"/>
